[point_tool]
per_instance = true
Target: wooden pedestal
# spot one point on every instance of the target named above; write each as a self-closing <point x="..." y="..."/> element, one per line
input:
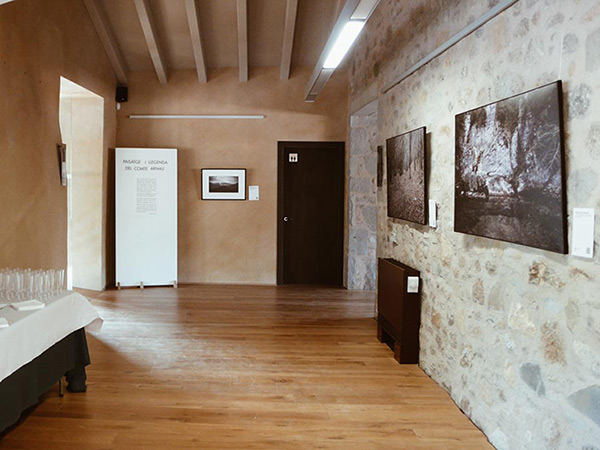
<point x="399" y="318"/>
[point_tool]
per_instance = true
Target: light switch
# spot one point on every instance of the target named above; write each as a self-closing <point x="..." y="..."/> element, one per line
<point x="253" y="193"/>
<point x="412" y="285"/>
<point x="293" y="157"/>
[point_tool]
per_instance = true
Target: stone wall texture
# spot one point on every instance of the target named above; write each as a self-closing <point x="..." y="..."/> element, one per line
<point x="362" y="203"/>
<point x="511" y="332"/>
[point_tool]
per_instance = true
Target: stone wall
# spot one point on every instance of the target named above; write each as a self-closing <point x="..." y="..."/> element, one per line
<point x="362" y="203"/>
<point x="511" y="332"/>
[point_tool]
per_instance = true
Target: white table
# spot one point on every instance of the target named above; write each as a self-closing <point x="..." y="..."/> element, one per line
<point x="31" y="333"/>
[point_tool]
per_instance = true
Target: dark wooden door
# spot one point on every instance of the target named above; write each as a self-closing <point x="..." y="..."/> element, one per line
<point x="310" y="213"/>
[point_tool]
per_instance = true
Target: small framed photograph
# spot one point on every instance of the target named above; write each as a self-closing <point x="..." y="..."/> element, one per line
<point x="62" y="157"/>
<point x="223" y="184"/>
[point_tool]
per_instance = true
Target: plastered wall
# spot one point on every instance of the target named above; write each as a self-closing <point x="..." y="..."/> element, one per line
<point x="230" y="241"/>
<point x="511" y="332"/>
<point x="81" y="120"/>
<point x="40" y="41"/>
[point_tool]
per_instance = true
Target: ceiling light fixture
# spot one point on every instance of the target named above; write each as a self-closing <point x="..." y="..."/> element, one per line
<point x="347" y="28"/>
<point x="199" y="116"/>
<point x="343" y="43"/>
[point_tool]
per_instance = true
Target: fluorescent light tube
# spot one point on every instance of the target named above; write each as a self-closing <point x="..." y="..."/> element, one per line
<point x="343" y="43"/>
<point x="198" y="116"/>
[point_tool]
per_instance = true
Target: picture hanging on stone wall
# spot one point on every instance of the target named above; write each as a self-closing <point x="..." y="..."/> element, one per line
<point x="379" y="165"/>
<point x="406" y="176"/>
<point x="509" y="170"/>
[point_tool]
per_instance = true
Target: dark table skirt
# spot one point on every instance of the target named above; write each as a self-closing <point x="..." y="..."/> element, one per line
<point x="23" y="388"/>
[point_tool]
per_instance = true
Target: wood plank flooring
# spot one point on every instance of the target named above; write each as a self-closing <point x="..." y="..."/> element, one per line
<point x="248" y="368"/>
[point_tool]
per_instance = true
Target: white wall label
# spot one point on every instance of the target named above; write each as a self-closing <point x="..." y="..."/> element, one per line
<point x="293" y="157"/>
<point x="432" y="214"/>
<point x="412" y="285"/>
<point x="253" y="193"/>
<point x="583" y="232"/>
<point x="146" y="216"/>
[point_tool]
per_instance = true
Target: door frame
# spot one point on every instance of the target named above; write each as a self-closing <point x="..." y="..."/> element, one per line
<point x="281" y="147"/>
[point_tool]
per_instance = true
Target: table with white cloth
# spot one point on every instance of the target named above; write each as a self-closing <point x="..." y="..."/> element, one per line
<point x="39" y="348"/>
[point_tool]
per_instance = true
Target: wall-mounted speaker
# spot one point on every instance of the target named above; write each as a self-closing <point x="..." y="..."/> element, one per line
<point x="122" y="94"/>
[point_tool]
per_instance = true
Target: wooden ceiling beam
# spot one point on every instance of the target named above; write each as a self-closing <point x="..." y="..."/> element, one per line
<point x="108" y="39"/>
<point x="149" y="29"/>
<point x="338" y="10"/>
<point x="193" y="16"/>
<point x="242" y="19"/>
<point x="291" y="11"/>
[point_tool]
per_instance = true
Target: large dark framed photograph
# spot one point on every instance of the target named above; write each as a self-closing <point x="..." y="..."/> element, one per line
<point x="509" y="170"/>
<point x="406" y="187"/>
<point x="223" y="184"/>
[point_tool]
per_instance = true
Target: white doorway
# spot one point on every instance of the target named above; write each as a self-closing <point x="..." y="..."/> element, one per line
<point x="81" y="115"/>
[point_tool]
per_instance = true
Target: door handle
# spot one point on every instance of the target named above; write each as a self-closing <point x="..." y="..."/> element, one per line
<point x="286" y="219"/>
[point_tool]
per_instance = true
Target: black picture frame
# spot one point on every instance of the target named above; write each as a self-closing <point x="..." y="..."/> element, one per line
<point x="407" y="176"/>
<point x="510" y="170"/>
<point x="380" y="166"/>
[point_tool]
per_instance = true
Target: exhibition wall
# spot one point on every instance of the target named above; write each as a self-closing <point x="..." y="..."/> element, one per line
<point x="230" y="241"/>
<point x="40" y="41"/>
<point x="511" y="332"/>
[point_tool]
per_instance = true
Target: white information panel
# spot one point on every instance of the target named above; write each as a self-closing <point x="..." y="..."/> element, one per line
<point x="146" y="216"/>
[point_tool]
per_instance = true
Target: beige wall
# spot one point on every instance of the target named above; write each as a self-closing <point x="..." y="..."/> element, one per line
<point x="40" y="41"/>
<point x="511" y="332"/>
<point x="229" y="241"/>
<point x="81" y="124"/>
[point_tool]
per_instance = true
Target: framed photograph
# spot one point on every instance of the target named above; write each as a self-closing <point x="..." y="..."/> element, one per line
<point x="509" y="170"/>
<point x="223" y="184"/>
<point x="406" y="186"/>
<point x="379" y="165"/>
<point x="62" y="161"/>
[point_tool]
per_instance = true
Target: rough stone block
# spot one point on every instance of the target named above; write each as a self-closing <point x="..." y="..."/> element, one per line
<point x="570" y="43"/>
<point x="579" y="101"/>
<point x="478" y="292"/>
<point x="361" y="185"/>
<point x="532" y="376"/>
<point x="499" y="439"/>
<point x="553" y="343"/>
<point x="584" y="182"/>
<point x="592" y="51"/>
<point x="519" y="320"/>
<point x="587" y="402"/>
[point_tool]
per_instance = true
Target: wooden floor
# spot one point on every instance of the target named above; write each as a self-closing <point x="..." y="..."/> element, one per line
<point x="245" y="367"/>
